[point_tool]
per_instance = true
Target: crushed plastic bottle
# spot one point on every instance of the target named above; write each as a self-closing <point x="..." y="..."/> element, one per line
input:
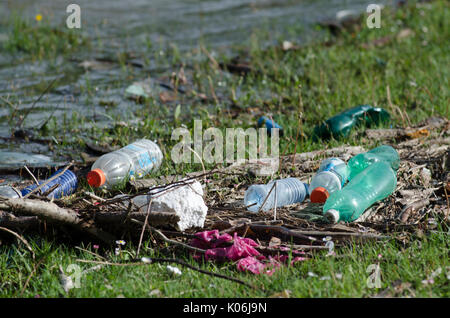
<point x="341" y="124"/>
<point x="331" y="176"/>
<point x="134" y="161"/>
<point x="269" y="123"/>
<point x="10" y="192"/>
<point x="373" y="184"/>
<point x="67" y="184"/>
<point x="289" y="191"/>
<point x="382" y="153"/>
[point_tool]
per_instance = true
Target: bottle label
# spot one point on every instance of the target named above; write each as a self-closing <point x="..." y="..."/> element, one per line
<point x="143" y="158"/>
<point x="331" y="168"/>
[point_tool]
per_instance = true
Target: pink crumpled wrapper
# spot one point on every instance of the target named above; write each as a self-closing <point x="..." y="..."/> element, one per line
<point x="219" y="247"/>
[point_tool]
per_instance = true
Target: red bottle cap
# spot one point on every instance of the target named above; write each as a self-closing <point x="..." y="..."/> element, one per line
<point x="319" y="195"/>
<point x="96" y="178"/>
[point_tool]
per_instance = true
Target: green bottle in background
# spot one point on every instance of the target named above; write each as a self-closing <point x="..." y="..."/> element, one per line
<point x="382" y="153"/>
<point x="341" y="124"/>
<point x="373" y="184"/>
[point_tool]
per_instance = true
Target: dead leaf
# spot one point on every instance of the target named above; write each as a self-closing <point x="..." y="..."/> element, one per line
<point x="274" y="241"/>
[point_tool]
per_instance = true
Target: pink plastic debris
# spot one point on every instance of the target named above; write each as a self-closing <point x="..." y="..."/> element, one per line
<point x="241" y="248"/>
<point x="210" y="239"/>
<point x="224" y="247"/>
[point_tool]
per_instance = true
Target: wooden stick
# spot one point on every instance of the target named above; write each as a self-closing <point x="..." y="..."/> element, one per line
<point x="24" y="241"/>
<point x="52" y="212"/>
<point x="149" y="209"/>
<point x="260" y="208"/>
<point x="166" y="239"/>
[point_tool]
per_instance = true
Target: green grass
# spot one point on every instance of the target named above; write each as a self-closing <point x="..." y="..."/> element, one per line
<point x="344" y="275"/>
<point x="332" y="78"/>
<point x="39" y="39"/>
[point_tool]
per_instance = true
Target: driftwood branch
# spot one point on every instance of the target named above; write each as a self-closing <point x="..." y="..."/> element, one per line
<point x="154" y="218"/>
<point x="51" y="212"/>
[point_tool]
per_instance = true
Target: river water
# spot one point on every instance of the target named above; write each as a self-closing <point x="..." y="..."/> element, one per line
<point x="130" y="26"/>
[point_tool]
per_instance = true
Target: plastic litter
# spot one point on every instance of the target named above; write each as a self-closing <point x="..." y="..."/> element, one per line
<point x="134" y="161"/>
<point x="10" y="192"/>
<point x="269" y="123"/>
<point x="382" y="153"/>
<point x="373" y="184"/>
<point x="66" y="184"/>
<point x="341" y="124"/>
<point x="331" y="176"/>
<point x="288" y="191"/>
<point x="242" y="250"/>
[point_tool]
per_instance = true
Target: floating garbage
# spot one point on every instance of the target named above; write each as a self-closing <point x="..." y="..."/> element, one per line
<point x="64" y="185"/>
<point x="269" y="123"/>
<point x="373" y="184"/>
<point x="341" y="124"/>
<point x="330" y="177"/>
<point x="134" y="161"/>
<point x="138" y="90"/>
<point x="288" y="191"/>
<point x="10" y="192"/>
<point x="382" y="153"/>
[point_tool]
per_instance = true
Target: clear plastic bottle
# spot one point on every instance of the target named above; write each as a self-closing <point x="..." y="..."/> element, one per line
<point x="135" y="160"/>
<point x="9" y="192"/>
<point x="373" y="184"/>
<point x="67" y="184"/>
<point x="382" y="153"/>
<point x="331" y="176"/>
<point x="289" y="191"/>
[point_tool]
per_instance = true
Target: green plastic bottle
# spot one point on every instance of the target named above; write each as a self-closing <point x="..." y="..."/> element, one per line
<point x="382" y="153"/>
<point x="341" y="124"/>
<point x="373" y="184"/>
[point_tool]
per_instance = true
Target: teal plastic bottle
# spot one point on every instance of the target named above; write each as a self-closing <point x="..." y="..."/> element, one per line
<point x="375" y="183"/>
<point x="382" y="153"/>
<point x="341" y="124"/>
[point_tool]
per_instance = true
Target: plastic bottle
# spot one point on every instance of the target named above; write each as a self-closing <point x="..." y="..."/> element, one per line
<point x="67" y="184"/>
<point x="9" y="192"/>
<point x="289" y="191"/>
<point x="331" y="176"/>
<point x="373" y="184"/>
<point x="269" y="123"/>
<point x="341" y="124"/>
<point x="135" y="160"/>
<point x="382" y="153"/>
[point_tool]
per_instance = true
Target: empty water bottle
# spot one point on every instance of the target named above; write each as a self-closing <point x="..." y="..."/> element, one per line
<point x="134" y="161"/>
<point x="382" y="153"/>
<point x="288" y="191"/>
<point x="373" y="184"/>
<point x="9" y="192"/>
<point x="331" y="176"/>
<point x="341" y="124"/>
<point x="64" y="185"/>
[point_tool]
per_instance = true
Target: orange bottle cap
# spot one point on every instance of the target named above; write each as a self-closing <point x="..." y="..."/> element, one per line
<point x="96" y="178"/>
<point x="319" y="195"/>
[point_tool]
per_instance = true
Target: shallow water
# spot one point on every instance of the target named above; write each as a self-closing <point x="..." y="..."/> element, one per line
<point x="130" y="26"/>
